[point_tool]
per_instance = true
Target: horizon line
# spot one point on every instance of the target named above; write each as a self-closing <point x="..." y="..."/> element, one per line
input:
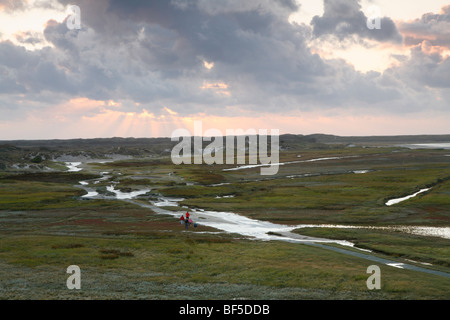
<point x="284" y="134"/>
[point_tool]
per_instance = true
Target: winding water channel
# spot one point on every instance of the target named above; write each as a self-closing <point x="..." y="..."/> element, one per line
<point x="398" y="200"/>
<point x="260" y="230"/>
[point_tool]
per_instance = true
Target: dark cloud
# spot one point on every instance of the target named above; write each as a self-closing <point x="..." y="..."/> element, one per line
<point x="15" y="57"/>
<point x="427" y="67"/>
<point x="28" y="37"/>
<point x="151" y="54"/>
<point x="32" y="70"/>
<point x="432" y="27"/>
<point x="424" y="69"/>
<point x="61" y="37"/>
<point x="8" y="83"/>
<point x="344" y="19"/>
<point x="163" y="45"/>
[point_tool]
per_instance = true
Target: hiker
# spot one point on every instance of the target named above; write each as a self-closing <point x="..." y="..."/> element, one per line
<point x="186" y="224"/>
<point x="187" y="215"/>
<point x="182" y="218"/>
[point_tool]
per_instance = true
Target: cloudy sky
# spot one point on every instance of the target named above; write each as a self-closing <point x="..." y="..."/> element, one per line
<point x="145" y="68"/>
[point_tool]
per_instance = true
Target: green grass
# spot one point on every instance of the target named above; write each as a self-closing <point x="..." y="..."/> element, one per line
<point x="423" y="249"/>
<point x="183" y="260"/>
<point x="126" y="251"/>
<point x="16" y="195"/>
<point x="345" y="197"/>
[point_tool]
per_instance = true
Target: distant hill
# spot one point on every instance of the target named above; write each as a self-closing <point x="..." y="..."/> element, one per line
<point x="36" y="152"/>
<point x="127" y="146"/>
<point x="403" y="139"/>
<point x="321" y="138"/>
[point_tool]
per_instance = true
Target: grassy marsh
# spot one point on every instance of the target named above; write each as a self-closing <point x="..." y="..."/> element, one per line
<point x="126" y="251"/>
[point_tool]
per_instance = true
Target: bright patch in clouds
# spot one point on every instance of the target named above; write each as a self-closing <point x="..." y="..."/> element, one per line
<point x="405" y="9"/>
<point x="171" y="112"/>
<point x="208" y="65"/>
<point x="308" y="9"/>
<point x="30" y="20"/>
<point x="217" y="85"/>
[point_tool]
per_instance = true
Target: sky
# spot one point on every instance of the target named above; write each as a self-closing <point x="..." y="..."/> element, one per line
<point x="146" y="68"/>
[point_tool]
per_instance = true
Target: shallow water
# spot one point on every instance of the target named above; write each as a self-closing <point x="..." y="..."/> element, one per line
<point x="398" y="200"/>
<point x="126" y="195"/>
<point x="284" y="163"/>
<point x="73" y="166"/>
<point x="235" y="223"/>
<point x="441" y="232"/>
<point x="441" y="145"/>
<point x="90" y="194"/>
<point x="259" y="230"/>
<point x="164" y="202"/>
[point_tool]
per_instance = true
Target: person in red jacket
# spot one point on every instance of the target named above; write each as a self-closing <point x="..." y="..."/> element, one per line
<point x="187" y="215"/>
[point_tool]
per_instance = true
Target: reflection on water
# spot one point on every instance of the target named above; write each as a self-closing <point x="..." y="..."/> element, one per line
<point x="262" y="230"/>
<point x="165" y="202"/>
<point x="442" y="145"/>
<point x="73" y="166"/>
<point x="90" y="194"/>
<point x="234" y="223"/>
<point x="398" y="200"/>
<point x="126" y="195"/>
<point x="283" y="163"/>
<point x="441" y="232"/>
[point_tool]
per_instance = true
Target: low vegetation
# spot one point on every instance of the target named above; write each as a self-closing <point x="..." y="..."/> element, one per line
<point x="126" y="251"/>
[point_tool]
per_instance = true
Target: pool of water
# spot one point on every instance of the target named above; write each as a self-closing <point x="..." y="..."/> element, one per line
<point x="398" y="200"/>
